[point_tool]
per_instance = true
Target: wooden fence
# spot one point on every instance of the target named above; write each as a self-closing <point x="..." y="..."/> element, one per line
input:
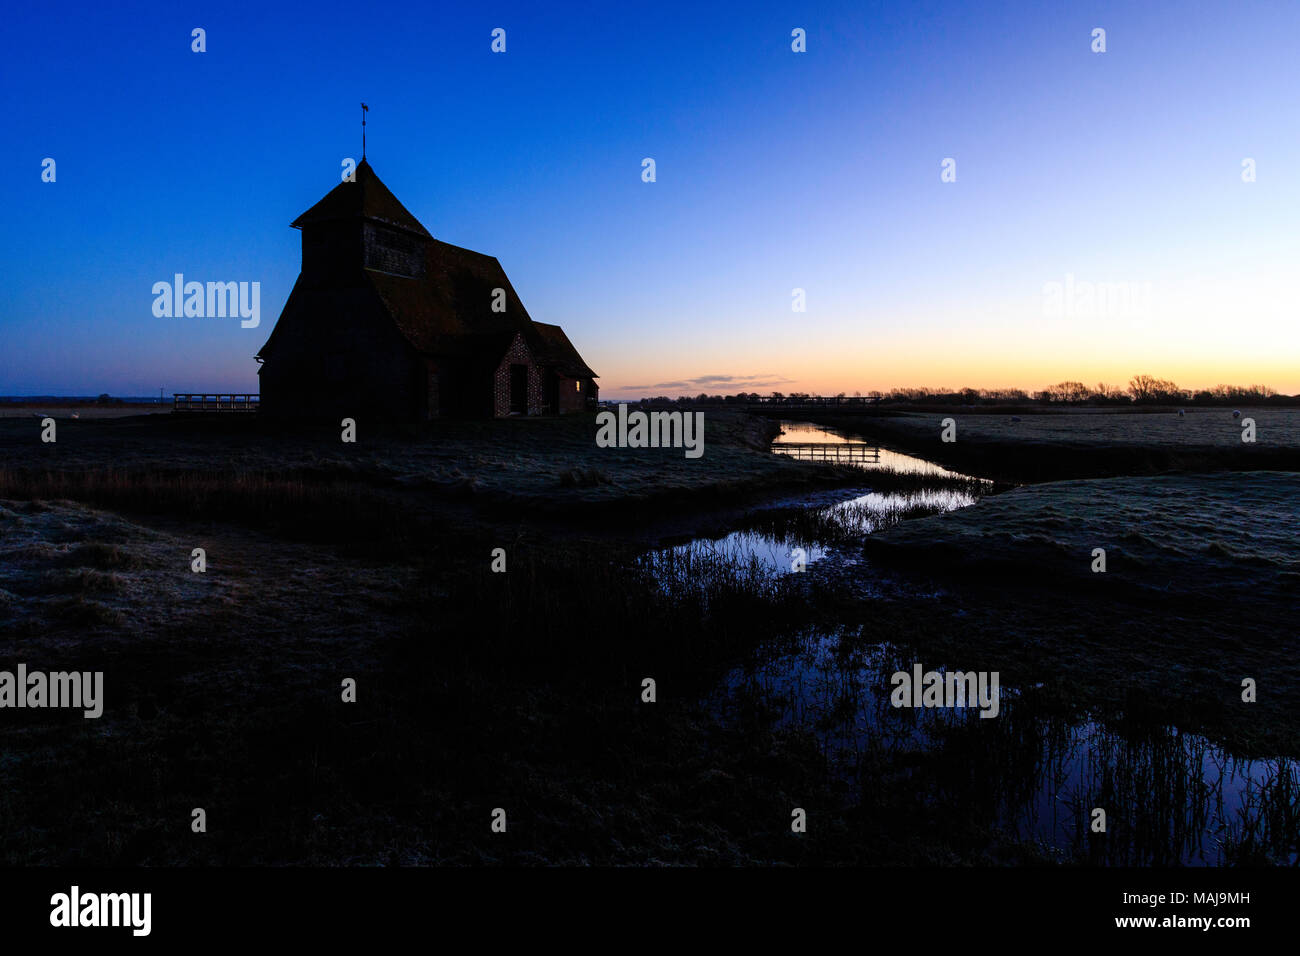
<point x="848" y="451"/>
<point x="215" y="402"/>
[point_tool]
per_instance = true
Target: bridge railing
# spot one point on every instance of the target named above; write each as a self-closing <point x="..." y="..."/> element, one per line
<point x="242" y="402"/>
<point x="828" y="451"/>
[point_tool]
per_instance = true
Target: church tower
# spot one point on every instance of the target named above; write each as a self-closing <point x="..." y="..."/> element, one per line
<point x="360" y="225"/>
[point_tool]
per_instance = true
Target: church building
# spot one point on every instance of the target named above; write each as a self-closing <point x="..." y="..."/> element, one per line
<point x="386" y="321"/>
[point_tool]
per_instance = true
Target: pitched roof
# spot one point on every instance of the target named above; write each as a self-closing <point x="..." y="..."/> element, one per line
<point x="449" y="310"/>
<point x="364" y="198"/>
<point x="554" y="348"/>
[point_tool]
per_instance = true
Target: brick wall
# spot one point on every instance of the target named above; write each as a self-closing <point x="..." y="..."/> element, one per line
<point x="572" y="398"/>
<point x="517" y="354"/>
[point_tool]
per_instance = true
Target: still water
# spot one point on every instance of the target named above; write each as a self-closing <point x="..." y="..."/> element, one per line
<point x="1171" y="797"/>
<point x="801" y="440"/>
<point x="863" y="511"/>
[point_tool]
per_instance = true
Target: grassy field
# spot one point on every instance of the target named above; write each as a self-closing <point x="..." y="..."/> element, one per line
<point x="475" y="690"/>
<point x="1197" y="534"/>
<point x="88" y="411"/>
<point x="1201" y="589"/>
<point x="527" y="465"/>
<point x="1037" y="444"/>
<point x="1162" y="427"/>
<point x="1203" y="565"/>
<point x="522" y="689"/>
<point x="372" y="561"/>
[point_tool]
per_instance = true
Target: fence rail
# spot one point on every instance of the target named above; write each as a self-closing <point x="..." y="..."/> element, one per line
<point x="828" y="451"/>
<point x="215" y="402"/>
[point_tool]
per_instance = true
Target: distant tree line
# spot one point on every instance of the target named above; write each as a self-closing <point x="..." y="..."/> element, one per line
<point x="1141" y="390"/>
<point x="1149" y="390"/>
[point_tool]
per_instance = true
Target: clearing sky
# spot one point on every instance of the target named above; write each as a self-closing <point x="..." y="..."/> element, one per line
<point x="1112" y="212"/>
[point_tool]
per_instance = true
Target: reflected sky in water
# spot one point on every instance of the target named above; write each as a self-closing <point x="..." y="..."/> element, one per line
<point x="864" y="513"/>
<point x="797" y="433"/>
<point x="1171" y="798"/>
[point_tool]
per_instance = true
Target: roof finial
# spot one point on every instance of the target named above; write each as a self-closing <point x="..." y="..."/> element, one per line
<point x="364" y="109"/>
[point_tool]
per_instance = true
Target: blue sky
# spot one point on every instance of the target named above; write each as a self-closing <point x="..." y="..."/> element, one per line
<point x="775" y="171"/>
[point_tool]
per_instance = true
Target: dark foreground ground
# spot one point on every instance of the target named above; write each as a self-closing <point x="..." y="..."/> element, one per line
<point x="522" y="690"/>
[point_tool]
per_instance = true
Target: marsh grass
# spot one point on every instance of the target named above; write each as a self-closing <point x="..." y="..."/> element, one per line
<point x="1058" y="445"/>
<point x="305" y="505"/>
<point x="83" y="611"/>
<point x="102" y="556"/>
<point x="1268" y="821"/>
<point x="890" y="479"/>
<point x="844" y="523"/>
<point x="82" y="580"/>
<point x="583" y="478"/>
<point x="521" y="464"/>
<point x="585" y="613"/>
<point x="479" y="689"/>
<point x="1031" y="776"/>
<point x="1196" y="534"/>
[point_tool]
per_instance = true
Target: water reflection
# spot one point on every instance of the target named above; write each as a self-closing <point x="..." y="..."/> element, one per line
<point x="802" y="531"/>
<point x="808" y="442"/>
<point x="810" y="530"/>
<point x="1030" y="775"/>
<point x="1170" y="797"/>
